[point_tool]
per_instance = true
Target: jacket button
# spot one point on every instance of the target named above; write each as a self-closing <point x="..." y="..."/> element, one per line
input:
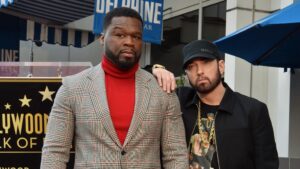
<point x="123" y="152"/>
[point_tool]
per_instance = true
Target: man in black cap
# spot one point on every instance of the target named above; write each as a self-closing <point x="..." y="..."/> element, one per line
<point x="224" y="129"/>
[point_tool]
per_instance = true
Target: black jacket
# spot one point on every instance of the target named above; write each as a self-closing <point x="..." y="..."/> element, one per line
<point x="244" y="133"/>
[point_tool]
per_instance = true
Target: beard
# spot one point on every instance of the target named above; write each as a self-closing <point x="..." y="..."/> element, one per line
<point x="123" y="64"/>
<point x="212" y="84"/>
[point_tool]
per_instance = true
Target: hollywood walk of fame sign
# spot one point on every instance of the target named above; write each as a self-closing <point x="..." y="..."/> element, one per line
<point x="25" y="104"/>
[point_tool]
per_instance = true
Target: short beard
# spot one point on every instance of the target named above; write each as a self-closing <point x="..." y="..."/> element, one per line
<point x="123" y="65"/>
<point x="207" y="89"/>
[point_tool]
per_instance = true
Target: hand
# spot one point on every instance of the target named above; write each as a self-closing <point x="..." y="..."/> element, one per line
<point x="197" y="145"/>
<point x="165" y="79"/>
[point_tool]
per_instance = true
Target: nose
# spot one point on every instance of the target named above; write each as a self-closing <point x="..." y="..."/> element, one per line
<point x="199" y="70"/>
<point x="129" y="41"/>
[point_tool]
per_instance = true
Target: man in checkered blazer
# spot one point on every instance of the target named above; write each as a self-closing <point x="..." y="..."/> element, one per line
<point x="116" y="113"/>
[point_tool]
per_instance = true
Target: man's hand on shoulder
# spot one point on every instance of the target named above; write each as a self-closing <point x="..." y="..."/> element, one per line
<point x="165" y="78"/>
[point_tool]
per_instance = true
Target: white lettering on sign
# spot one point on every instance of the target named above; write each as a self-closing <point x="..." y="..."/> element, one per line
<point x="135" y="5"/>
<point x="8" y="55"/>
<point x="102" y="6"/>
<point x="149" y="10"/>
<point x="109" y="4"/>
<point x="148" y="27"/>
<point x="126" y="3"/>
<point x="157" y="13"/>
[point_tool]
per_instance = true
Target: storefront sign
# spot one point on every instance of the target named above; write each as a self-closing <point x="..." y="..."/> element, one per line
<point x="151" y="12"/>
<point x="25" y="105"/>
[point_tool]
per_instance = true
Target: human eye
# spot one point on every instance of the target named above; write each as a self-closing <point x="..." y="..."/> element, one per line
<point x="137" y="37"/>
<point x="191" y="67"/>
<point x="120" y="35"/>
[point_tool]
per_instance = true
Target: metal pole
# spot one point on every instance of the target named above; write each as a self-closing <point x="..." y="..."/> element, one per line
<point x="31" y="54"/>
<point x="200" y="19"/>
<point x="31" y="60"/>
<point x="251" y="66"/>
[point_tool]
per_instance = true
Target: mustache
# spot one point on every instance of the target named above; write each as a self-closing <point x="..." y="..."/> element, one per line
<point x="128" y="50"/>
<point x="199" y="78"/>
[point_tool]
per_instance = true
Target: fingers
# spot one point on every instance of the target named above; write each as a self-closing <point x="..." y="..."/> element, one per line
<point x="165" y="79"/>
<point x="157" y="72"/>
<point x="170" y="82"/>
<point x="174" y="85"/>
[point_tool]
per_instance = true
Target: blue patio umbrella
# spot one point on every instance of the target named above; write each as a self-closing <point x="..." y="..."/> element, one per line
<point x="272" y="41"/>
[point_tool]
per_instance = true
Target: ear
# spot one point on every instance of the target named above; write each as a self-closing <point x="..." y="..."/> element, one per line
<point x="221" y="66"/>
<point x="101" y="39"/>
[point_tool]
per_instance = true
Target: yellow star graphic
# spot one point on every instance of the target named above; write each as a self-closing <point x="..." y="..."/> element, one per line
<point x="46" y="94"/>
<point x="25" y="101"/>
<point x="7" y="106"/>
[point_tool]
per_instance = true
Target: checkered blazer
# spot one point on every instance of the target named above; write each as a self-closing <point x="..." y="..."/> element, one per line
<point x="80" y="111"/>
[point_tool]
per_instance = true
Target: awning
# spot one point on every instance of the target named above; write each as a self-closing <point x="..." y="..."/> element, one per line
<point x="44" y="20"/>
<point x="58" y="12"/>
<point x="35" y="31"/>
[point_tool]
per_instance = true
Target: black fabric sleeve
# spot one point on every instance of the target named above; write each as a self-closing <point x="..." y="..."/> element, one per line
<point x="266" y="156"/>
<point x="148" y="68"/>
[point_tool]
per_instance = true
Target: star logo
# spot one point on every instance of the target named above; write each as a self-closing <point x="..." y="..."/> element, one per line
<point x="47" y="94"/>
<point x="25" y="101"/>
<point x="7" y="106"/>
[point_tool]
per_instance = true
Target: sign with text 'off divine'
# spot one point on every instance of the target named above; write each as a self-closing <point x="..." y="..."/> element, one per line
<point x="151" y="12"/>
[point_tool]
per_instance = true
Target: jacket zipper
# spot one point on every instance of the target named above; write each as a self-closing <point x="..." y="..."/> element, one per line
<point x="216" y="142"/>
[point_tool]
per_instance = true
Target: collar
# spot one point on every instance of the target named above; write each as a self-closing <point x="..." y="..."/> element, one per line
<point x="227" y="103"/>
<point x="194" y="100"/>
<point x="111" y="69"/>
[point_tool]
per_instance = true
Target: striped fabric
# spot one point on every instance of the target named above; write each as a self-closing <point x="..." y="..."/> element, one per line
<point x="5" y="2"/>
<point x="31" y="30"/>
<point x="54" y="12"/>
<point x="58" y="12"/>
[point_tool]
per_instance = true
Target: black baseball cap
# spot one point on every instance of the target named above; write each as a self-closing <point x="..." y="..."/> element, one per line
<point x="199" y="49"/>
